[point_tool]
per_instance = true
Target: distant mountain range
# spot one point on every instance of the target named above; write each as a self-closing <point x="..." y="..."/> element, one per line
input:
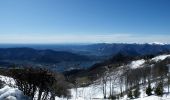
<point x="38" y="56"/>
<point x="91" y="53"/>
<point x="100" y="49"/>
<point x="130" y="49"/>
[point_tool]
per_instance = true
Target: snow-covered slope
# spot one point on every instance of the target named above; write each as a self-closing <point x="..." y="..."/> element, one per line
<point x="7" y="80"/>
<point x="137" y="63"/>
<point x="140" y="63"/>
<point x="161" y="57"/>
<point x="95" y="91"/>
<point x="8" y="92"/>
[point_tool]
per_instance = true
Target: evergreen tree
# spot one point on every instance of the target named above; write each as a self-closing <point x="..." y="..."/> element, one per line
<point x="1" y="84"/>
<point x="159" y="89"/>
<point x="137" y="92"/>
<point x="130" y="94"/>
<point x="112" y="97"/>
<point x="149" y="90"/>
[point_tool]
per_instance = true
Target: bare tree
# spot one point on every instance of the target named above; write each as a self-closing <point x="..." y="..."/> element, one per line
<point x="41" y="81"/>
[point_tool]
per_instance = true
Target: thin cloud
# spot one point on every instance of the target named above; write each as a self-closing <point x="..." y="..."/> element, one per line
<point x="83" y="38"/>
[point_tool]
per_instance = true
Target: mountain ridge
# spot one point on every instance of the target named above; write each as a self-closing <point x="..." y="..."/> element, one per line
<point x="39" y="56"/>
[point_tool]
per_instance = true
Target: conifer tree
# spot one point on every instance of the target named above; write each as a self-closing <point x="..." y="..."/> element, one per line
<point x="137" y="92"/>
<point x="130" y="94"/>
<point x="159" y="89"/>
<point x="149" y="90"/>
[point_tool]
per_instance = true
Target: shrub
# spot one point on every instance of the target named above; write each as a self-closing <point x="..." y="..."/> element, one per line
<point x="1" y="84"/>
<point x="130" y="94"/>
<point x="149" y="90"/>
<point x="159" y="89"/>
<point x="137" y="92"/>
<point x="111" y="97"/>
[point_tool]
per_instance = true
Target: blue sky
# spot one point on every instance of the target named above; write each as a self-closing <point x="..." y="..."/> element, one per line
<point x="84" y="21"/>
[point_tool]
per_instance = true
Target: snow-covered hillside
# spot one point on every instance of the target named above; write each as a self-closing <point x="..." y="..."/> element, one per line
<point x="159" y="58"/>
<point x="140" y="63"/>
<point x="137" y="63"/>
<point x="8" y="92"/>
<point x="93" y="91"/>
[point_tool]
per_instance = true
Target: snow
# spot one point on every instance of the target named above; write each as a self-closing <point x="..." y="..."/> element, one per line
<point x="11" y="93"/>
<point x="140" y="63"/>
<point x="87" y="93"/>
<point x="143" y="95"/>
<point x="8" y="92"/>
<point x="92" y="92"/>
<point x="157" y="43"/>
<point x="150" y="98"/>
<point x="95" y="91"/>
<point x="137" y="64"/>
<point x="9" y="81"/>
<point x="153" y="97"/>
<point x="161" y="57"/>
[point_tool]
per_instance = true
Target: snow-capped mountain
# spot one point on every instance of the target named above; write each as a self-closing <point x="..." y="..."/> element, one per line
<point x="158" y="43"/>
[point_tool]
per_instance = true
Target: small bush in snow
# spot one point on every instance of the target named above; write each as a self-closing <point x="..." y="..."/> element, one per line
<point x="159" y="89"/>
<point x="1" y="84"/>
<point x="149" y="90"/>
<point x="137" y="92"/>
<point x="112" y="97"/>
<point x="130" y="94"/>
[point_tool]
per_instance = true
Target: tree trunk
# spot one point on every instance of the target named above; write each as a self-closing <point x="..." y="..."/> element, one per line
<point x="110" y="87"/>
<point x="40" y="94"/>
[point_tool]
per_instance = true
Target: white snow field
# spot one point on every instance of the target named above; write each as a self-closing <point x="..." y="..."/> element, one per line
<point x="9" y="81"/>
<point x="8" y="92"/>
<point x="90" y="93"/>
<point x="94" y="91"/>
<point x="161" y="57"/>
<point x="137" y="63"/>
